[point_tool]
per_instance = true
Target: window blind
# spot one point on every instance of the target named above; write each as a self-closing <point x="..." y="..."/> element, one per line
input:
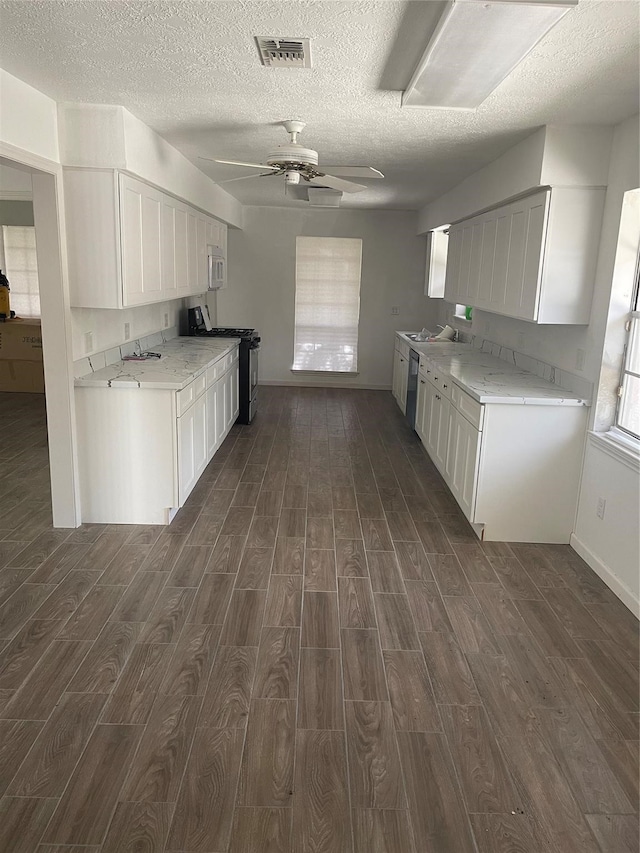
<point x="19" y="243"/>
<point x="327" y="307"/>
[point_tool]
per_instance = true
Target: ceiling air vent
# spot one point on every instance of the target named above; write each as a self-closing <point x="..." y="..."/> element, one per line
<point x="284" y="52"/>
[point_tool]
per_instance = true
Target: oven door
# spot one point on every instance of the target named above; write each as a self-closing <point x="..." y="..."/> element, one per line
<point x="253" y="370"/>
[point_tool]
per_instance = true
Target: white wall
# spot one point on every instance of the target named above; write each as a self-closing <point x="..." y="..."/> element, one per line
<point x="261" y="288"/>
<point x="29" y="118"/>
<point x="108" y="136"/>
<point x="555" y="156"/>
<point x="610" y="545"/>
<point x="108" y="326"/>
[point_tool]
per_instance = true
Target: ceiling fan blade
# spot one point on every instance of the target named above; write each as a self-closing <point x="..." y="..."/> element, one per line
<point x="247" y="177"/>
<point x="354" y="171"/>
<point x="240" y="163"/>
<point x="337" y="184"/>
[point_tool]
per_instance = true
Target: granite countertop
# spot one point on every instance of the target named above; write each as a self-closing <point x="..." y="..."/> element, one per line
<point x="491" y="380"/>
<point x="183" y="359"/>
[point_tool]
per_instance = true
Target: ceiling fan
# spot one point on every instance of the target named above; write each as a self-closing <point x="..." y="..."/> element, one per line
<point x="295" y="163"/>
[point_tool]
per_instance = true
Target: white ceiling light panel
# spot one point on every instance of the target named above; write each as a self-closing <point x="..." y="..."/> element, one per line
<point x="475" y="45"/>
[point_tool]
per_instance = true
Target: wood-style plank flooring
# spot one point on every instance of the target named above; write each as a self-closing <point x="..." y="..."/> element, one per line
<point x="317" y="656"/>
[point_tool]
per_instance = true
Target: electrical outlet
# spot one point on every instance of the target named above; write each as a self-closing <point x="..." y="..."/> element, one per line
<point x="88" y="341"/>
<point x="580" y="357"/>
<point x="166" y="321"/>
<point x="127" y="331"/>
<point x="395" y="309"/>
<point x="601" y="507"/>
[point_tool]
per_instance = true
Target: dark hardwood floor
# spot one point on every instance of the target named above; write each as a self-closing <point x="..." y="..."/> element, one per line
<point x="317" y="656"/>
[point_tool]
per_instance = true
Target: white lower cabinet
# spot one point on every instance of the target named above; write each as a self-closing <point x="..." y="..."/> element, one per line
<point x="463" y="453"/>
<point x="192" y="446"/>
<point x="400" y="374"/>
<point x="142" y="450"/>
<point x="514" y="469"/>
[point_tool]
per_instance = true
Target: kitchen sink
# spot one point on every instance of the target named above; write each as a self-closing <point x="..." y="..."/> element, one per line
<point x="418" y="338"/>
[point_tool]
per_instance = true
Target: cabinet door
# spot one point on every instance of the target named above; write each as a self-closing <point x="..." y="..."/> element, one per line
<point x="192" y="446"/>
<point x="444" y="418"/>
<point x="483" y="298"/>
<point x="463" y="454"/>
<point x="181" y="249"/>
<point x="465" y="263"/>
<point x="534" y="253"/>
<point x="452" y="275"/>
<point x="169" y="280"/>
<point x="403" y="380"/>
<point x="201" y="245"/>
<point x="141" y="241"/>
<point x="212" y="406"/>
<point x="421" y="408"/>
<point x="395" y="384"/>
<point x="192" y="251"/>
<point x="221" y="414"/>
<point x="235" y="392"/>
<point x="475" y="261"/>
<point x="432" y="420"/>
<point x="214" y="234"/>
<point x="498" y="297"/>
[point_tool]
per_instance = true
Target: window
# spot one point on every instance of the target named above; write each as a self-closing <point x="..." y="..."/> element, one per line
<point x="628" y="409"/>
<point x="19" y="243"/>
<point x="327" y="307"/>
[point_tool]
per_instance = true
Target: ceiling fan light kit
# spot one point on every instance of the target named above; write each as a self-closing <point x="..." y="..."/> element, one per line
<point x="475" y="46"/>
<point x="297" y="163"/>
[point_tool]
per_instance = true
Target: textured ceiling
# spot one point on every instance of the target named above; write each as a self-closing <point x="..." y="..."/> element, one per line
<point x="191" y="71"/>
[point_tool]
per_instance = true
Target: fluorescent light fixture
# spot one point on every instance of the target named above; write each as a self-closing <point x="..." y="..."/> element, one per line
<point x="475" y="45"/>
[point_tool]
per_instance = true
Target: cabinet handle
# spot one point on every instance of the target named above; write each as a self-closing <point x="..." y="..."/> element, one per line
<point x="436" y="378"/>
<point x="428" y="371"/>
<point x="422" y="382"/>
<point x="445" y="386"/>
<point x="437" y="396"/>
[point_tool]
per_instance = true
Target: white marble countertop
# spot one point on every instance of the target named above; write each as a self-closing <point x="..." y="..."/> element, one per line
<point x="183" y="359"/>
<point x="491" y="380"/>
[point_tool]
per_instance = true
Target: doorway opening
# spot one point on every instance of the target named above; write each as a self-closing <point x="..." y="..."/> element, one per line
<point x="37" y="447"/>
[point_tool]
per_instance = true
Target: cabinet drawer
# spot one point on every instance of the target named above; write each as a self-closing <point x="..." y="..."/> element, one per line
<point x="191" y="393"/>
<point x="468" y="407"/>
<point x="442" y="382"/>
<point x="220" y="367"/>
<point x="425" y="368"/>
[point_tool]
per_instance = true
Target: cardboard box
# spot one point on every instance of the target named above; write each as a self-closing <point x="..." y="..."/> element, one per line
<point x="26" y="376"/>
<point x="21" y="340"/>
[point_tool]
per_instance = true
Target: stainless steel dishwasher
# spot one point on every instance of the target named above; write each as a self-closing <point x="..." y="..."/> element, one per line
<point x="412" y="388"/>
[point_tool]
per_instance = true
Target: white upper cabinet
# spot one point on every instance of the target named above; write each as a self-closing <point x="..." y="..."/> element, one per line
<point x="132" y="244"/>
<point x="142" y="241"/>
<point x="533" y="258"/>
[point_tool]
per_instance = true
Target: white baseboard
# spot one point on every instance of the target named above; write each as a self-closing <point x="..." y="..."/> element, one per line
<point x="323" y="383"/>
<point x="612" y="581"/>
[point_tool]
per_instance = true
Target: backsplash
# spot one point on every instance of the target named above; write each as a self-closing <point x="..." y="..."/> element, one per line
<point x="97" y="361"/>
<point x="562" y="378"/>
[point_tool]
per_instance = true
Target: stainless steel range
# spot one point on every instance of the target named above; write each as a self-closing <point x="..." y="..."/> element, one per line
<point x="248" y="362"/>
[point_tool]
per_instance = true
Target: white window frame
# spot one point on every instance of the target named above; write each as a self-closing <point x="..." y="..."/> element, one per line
<point x="313" y="336"/>
<point x="24" y="293"/>
<point x="633" y="331"/>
